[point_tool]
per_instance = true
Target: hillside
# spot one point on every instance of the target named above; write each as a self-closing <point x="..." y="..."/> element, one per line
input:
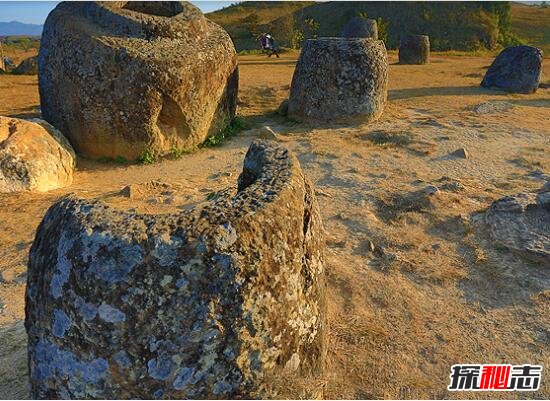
<point x="15" y="28"/>
<point x="451" y="25"/>
<point x="531" y="24"/>
<point x="245" y="21"/>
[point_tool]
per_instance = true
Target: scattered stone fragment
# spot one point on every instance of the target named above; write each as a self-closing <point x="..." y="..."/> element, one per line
<point x="545" y="188"/>
<point x="431" y="190"/>
<point x="491" y="107"/>
<point x="516" y="69"/>
<point x="283" y="108"/>
<point x="520" y="222"/>
<point x="452" y="186"/>
<point x="461" y="153"/>
<point x="124" y="79"/>
<point x="267" y="133"/>
<point x="140" y="190"/>
<point x="370" y="246"/>
<point x="339" y="79"/>
<point x="15" y="275"/>
<point x="34" y="156"/>
<point x="358" y="27"/>
<point x="321" y="192"/>
<point x="207" y="303"/>
<point x="414" y="49"/>
<point x="28" y="66"/>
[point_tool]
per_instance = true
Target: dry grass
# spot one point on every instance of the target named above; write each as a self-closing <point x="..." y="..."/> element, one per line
<point x="414" y="285"/>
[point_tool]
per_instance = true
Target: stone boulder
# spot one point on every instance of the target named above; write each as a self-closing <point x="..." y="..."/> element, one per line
<point x="8" y="63"/>
<point x="28" y="66"/>
<point x="414" y="49"/>
<point x="207" y="303"/>
<point x="358" y="27"/>
<point x="522" y="222"/>
<point x="339" y="80"/>
<point x="34" y="156"/>
<point x="124" y="78"/>
<point x="516" y="69"/>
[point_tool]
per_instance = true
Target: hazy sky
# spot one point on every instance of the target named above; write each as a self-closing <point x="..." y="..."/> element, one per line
<point x="35" y="12"/>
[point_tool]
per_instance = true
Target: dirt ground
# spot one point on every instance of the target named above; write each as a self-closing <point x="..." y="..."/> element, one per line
<point x="414" y="284"/>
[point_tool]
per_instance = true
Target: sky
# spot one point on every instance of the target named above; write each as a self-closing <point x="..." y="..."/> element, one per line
<point x="35" y="12"/>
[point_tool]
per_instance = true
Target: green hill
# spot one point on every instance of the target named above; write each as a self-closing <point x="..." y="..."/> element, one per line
<point x="244" y="21"/>
<point x="462" y="26"/>
<point x="531" y="24"/>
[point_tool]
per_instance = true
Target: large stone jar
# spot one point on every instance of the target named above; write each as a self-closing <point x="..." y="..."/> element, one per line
<point x="125" y="78"/>
<point x="207" y="303"/>
<point x="358" y="27"/>
<point x="339" y="80"/>
<point x="414" y="49"/>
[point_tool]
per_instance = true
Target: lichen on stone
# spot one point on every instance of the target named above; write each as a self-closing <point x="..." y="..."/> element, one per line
<point x="206" y="303"/>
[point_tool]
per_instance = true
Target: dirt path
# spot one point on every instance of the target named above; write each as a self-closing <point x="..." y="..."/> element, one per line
<point x="414" y="287"/>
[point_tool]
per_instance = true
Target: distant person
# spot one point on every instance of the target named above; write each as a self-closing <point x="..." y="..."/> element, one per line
<point x="268" y="45"/>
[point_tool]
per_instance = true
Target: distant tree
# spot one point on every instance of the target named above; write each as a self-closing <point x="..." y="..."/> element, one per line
<point x="297" y="39"/>
<point x="312" y="28"/>
<point x="383" y="29"/>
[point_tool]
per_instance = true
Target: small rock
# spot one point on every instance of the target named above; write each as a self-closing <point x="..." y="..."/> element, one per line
<point x="267" y="133"/>
<point x="283" y="108"/>
<point x="370" y="246"/>
<point x="492" y="107"/>
<point x="28" y="66"/>
<point x="139" y="190"/>
<point x="320" y="192"/>
<point x="431" y="190"/>
<point x="17" y="275"/>
<point x="453" y="186"/>
<point x="520" y="222"/>
<point x="34" y="156"/>
<point x="380" y="251"/>
<point x="460" y="153"/>
<point x="545" y="188"/>
<point x="334" y="242"/>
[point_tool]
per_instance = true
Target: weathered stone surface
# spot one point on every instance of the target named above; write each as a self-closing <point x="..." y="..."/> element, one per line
<point x="339" y="79"/>
<point x="8" y="63"/>
<point x="515" y="69"/>
<point x="138" y="190"/>
<point x="34" y="156"/>
<point x="358" y="27"/>
<point x="492" y="106"/>
<point x="522" y="222"/>
<point x="266" y="132"/>
<point x="120" y="78"/>
<point x="414" y="49"/>
<point x="283" y="108"/>
<point x="28" y="66"/>
<point x="209" y="302"/>
<point x="460" y="153"/>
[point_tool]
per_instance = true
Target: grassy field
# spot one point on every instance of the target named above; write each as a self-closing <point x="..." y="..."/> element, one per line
<point x="532" y="25"/>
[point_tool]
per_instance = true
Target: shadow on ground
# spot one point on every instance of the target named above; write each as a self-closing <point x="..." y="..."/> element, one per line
<point x="408" y="93"/>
